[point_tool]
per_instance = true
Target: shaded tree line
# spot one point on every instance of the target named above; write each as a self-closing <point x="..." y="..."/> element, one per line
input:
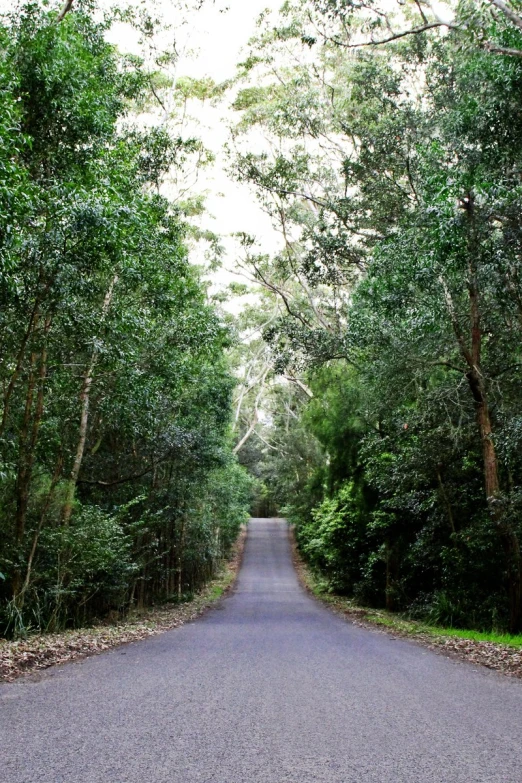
<point x="392" y="166"/>
<point x="118" y="482"/>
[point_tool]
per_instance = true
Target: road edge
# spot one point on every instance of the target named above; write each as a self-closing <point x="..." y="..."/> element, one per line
<point x="500" y="658"/>
<point x="21" y="658"/>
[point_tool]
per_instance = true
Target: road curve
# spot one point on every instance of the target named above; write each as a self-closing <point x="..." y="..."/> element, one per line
<point x="269" y="687"/>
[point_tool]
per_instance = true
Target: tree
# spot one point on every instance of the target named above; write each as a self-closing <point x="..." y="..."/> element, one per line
<point x="399" y="193"/>
<point x="115" y="442"/>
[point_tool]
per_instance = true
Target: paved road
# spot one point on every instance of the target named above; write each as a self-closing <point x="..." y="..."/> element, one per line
<point x="268" y="688"/>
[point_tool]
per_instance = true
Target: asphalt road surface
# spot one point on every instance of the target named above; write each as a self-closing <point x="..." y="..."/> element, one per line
<point x="269" y="687"/>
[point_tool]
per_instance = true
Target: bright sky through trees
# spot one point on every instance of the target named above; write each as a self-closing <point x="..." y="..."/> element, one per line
<point x="210" y="44"/>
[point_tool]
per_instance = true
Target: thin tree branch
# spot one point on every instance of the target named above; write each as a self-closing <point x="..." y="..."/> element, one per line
<point x="309" y="393"/>
<point x="450" y="306"/>
<point x="494" y="49"/>
<point x="395" y="37"/>
<point x="151" y="85"/>
<point x="255" y="417"/>
<point x="65" y="10"/>
<point x="279" y="292"/>
<point x="120" y="480"/>
<point x="247" y="434"/>
<point x="421" y="12"/>
<point x="507" y="11"/>
<point x="274" y="448"/>
<point x="449" y="365"/>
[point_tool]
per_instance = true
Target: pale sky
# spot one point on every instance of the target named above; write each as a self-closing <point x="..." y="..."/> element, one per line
<point x="218" y="37"/>
<point x="210" y="42"/>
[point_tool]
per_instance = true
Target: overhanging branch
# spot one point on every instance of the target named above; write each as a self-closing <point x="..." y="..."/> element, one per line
<point x="65" y="10"/>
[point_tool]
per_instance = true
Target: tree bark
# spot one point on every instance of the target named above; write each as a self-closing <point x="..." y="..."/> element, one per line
<point x="472" y="354"/>
<point x="255" y="415"/>
<point x="85" y="396"/>
<point x="508" y="536"/>
<point x="19" y="598"/>
<point x="23" y="466"/>
<point x="67" y="6"/>
<point x="28" y="441"/>
<point x="392" y="570"/>
<point x="180" y="557"/>
<point x="80" y="448"/>
<point x="445" y="499"/>
<point x="19" y="360"/>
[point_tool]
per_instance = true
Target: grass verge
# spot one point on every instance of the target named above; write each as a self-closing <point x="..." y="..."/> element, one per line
<point x="501" y="652"/>
<point x="43" y="650"/>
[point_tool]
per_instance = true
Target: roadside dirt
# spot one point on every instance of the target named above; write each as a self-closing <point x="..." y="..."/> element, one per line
<point x="500" y="657"/>
<point x="38" y="652"/>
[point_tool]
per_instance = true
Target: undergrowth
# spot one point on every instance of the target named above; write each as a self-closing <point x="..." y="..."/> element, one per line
<point x="397" y="622"/>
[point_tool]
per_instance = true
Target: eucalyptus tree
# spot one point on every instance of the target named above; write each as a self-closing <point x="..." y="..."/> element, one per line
<point x="394" y="167"/>
<point x="114" y="435"/>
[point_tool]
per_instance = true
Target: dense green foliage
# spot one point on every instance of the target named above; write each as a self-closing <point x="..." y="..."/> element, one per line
<point x="118" y="483"/>
<point x="379" y="396"/>
<point x="394" y="173"/>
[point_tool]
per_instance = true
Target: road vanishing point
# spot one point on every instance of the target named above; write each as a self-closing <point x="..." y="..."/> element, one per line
<point x="268" y="687"/>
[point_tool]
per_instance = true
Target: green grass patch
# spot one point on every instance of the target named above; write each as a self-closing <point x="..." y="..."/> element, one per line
<point x="398" y="623"/>
<point x="481" y="636"/>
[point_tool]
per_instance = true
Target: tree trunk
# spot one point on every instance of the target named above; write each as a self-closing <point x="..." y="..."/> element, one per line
<point x="508" y="536"/>
<point x="22" y="483"/>
<point x="85" y="396"/>
<point x="64" y="11"/>
<point x="392" y="570"/>
<point x="180" y="557"/>
<point x="27" y="444"/>
<point x="472" y="355"/>
<point x="445" y="499"/>
<point x="33" y="321"/>
<point x="80" y="448"/>
<point x="142" y="587"/>
<point x="19" y="598"/>
<point x="497" y="508"/>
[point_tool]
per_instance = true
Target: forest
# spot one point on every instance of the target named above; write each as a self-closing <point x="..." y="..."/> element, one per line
<point x="392" y="164"/>
<point x="118" y="482"/>
<point x="365" y="380"/>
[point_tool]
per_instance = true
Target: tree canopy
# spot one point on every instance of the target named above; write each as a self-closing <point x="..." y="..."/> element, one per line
<point x="119" y="486"/>
<point x="391" y="165"/>
<point x="370" y="388"/>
